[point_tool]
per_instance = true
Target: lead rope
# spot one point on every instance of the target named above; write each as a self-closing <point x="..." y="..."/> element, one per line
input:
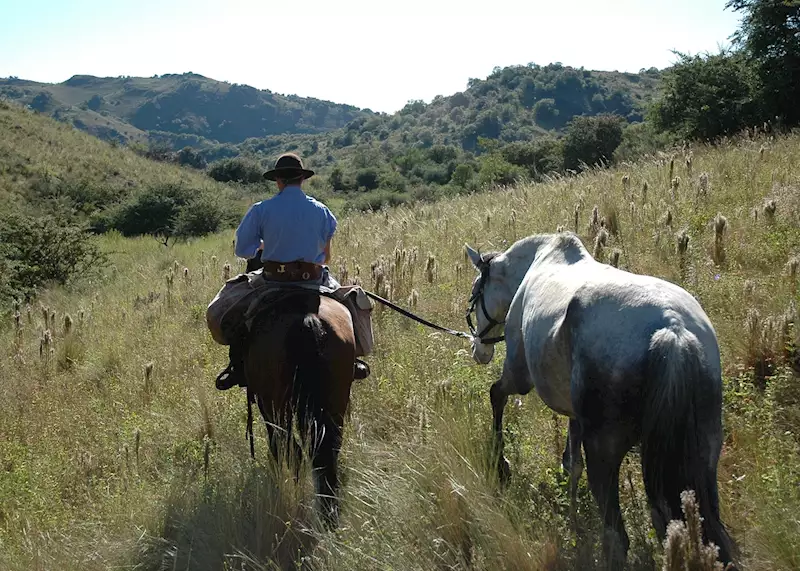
<point x="416" y="318"/>
<point x="249" y="429"/>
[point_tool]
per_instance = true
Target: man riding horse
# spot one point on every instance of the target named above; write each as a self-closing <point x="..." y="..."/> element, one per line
<point x="289" y="236"/>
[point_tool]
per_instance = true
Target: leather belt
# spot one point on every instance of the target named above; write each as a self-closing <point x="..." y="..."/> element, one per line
<point x="291" y="271"/>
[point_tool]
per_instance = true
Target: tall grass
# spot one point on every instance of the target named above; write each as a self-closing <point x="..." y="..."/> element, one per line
<point x="117" y="452"/>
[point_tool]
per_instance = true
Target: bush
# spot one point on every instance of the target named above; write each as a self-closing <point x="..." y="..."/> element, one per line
<point x="591" y="140"/>
<point x="376" y="200"/>
<point x="203" y="215"/>
<point x="237" y="169"/>
<point x="462" y="175"/>
<point x="152" y="212"/>
<point x="706" y="97"/>
<point x="191" y="158"/>
<point x="367" y="178"/>
<point x="496" y="170"/>
<point x="538" y="158"/>
<point x="37" y="250"/>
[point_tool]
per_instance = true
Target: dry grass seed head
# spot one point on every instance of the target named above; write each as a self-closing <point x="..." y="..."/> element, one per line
<point x="791" y="267"/>
<point x="599" y="243"/>
<point x="702" y="185"/>
<point x="720" y="225"/>
<point x="682" y="242"/>
<point x="769" y="208"/>
<point x="749" y="289"/>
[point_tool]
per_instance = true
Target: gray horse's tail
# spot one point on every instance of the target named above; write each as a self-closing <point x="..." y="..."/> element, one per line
<point x="682" y="433"/>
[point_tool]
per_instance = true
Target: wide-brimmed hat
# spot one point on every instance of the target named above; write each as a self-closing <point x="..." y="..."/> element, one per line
<point x="288" y="166"/>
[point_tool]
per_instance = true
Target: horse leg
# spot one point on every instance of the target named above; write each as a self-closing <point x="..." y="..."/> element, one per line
<point x="572" y="463"/>
<point x="326" y="441"/>
<point x="292" y="450"/>
<point x="605" y="448"/>
<point x="499" y="398"/>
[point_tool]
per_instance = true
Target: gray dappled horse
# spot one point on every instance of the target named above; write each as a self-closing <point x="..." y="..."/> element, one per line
<point x="628" y="358"/>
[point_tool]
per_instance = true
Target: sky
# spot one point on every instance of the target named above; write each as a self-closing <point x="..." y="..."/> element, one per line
<point x="375" y="54"/>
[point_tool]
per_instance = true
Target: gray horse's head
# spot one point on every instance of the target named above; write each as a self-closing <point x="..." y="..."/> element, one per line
<point x="485" y="306"/>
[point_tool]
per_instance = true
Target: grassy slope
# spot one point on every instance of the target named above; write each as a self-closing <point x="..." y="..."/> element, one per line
<point x="33" y="146"/>
<point x="101" y="467"/>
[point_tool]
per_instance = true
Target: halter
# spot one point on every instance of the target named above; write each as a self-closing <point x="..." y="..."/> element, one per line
<point x="473" y="302"/>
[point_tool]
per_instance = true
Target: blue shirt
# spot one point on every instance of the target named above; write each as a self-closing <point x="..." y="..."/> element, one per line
<point x="292" y="225"/>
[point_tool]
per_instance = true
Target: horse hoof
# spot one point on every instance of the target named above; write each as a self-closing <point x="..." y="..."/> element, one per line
<point x="360" y="370"/>
<point x="504" y="471"/>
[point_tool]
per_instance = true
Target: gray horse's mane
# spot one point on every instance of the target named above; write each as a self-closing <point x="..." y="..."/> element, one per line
<point x="567" y="242"/>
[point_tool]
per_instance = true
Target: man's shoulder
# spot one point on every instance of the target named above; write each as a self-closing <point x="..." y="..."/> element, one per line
<point x="318" y="203"/>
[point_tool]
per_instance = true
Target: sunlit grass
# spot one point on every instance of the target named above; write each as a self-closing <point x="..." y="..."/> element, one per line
<point x="103" y="465"/>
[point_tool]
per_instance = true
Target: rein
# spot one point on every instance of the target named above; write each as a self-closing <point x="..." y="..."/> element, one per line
<point x="473" y="302"/>
<point x="417" y="318"/>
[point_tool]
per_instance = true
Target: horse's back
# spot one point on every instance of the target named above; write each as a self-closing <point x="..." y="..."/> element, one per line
<point x="615" y="314"/>
<point x="590" y="321"/>
<point x="270" y="368"/>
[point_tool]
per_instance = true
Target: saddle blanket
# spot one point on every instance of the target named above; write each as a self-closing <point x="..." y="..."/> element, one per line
<point x="246" y="295"/>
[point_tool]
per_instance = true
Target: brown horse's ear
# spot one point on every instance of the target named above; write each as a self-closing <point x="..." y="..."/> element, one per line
<point x="475" y="257"/>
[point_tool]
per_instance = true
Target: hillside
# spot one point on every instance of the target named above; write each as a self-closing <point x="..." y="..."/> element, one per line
<point x="117" y="452"/>
<point x="41" y="158"/>
<point x="504" y="128"/>
<point x="365" y="160"/>
<point x="56" y="182"/>
<point x="184" y="108"/>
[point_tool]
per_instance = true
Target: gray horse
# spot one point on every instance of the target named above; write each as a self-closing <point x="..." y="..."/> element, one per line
<point x="628" y="358"/>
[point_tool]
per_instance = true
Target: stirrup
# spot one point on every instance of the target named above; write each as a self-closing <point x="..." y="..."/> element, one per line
<point x="228" y="378"/>
<point x="360" y="370"/>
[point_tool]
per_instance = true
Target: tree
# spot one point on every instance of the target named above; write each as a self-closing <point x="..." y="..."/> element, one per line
<point x="545" y="113"/>
<point x="94" y="102"/>
<point x="462" y="175"/>
<point x="591" y="140"/>
<point x="706" y="97"/>
<point x="336" y="178"/>
<point x="187" y="156"/>
<point x="237" y="169"/>
<point x="367" y="178"/>
<point x="770" y="36"/>
<point x="154" y="211"/>
<point x="539" y="157"/>
<point x="42" y="101"/>
<point x="496" y="170"/>
<point x="37" y="250"/>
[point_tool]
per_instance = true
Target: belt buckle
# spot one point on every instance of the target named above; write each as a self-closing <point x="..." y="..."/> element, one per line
<point x="282" y="269"/>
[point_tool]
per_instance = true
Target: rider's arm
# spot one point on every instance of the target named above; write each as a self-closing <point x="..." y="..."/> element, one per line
<point x="327" y="252"/>
<point x="248" y="234"/>
<point x="330" y="230"/>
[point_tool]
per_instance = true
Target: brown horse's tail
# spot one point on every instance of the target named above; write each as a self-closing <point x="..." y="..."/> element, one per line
<point x="304" y="345"/>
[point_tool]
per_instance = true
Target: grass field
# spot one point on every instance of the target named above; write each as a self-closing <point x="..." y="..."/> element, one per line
<point x="116" y="451"/>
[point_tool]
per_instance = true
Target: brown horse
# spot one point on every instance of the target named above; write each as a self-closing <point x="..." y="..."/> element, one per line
<point x="299" y="366"/>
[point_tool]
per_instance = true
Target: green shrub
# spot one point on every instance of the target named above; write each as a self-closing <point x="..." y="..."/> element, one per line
<point x="237" y="169"/>
<point x="173" y="210"/>
<point x="42" y="249"/>
<point x="591" y="140"/>
<point x="152" y="212"/>
<point x="203" y="215"/>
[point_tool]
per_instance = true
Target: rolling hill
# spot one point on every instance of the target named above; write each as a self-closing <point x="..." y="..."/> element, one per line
<point x="185" y="108"/>
<point x="524" y="111"/>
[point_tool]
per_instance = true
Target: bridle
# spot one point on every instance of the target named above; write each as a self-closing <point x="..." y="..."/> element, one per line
<point x="477" y="296"/>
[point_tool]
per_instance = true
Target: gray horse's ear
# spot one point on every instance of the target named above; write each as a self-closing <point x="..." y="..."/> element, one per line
<point x="474" y="256"/>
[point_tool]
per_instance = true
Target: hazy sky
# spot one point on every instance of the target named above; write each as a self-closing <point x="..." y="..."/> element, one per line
<point x="367" y="53"/>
